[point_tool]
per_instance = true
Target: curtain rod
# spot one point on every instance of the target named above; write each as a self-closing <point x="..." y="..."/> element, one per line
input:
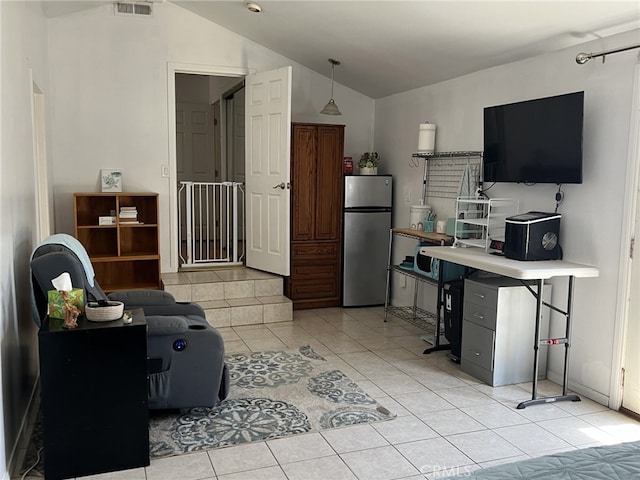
<point x="583" y="58"/>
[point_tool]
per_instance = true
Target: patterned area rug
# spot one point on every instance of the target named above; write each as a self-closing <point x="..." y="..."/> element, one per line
<point x="272" y="395"/>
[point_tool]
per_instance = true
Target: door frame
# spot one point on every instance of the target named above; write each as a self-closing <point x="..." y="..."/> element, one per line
<point x="630" y="213"/>
<point x="224" y="120"/>
<point x="172" y="69"/>
<point x="41" y="171"/>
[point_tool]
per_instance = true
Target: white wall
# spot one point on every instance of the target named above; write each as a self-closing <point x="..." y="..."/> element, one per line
<point x="592" y="212"/>
<point x="24" y="61"/>
<point x="108" y="75"/>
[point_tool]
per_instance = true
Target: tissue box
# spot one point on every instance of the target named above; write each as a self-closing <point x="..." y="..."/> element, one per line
<point x="57" y="307"/>
<point x="108" y="220"/>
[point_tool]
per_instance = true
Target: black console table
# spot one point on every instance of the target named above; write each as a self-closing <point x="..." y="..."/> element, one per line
<point x="93" y="381"/>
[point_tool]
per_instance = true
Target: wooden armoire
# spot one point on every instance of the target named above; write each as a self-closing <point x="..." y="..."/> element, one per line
<point x="317" y="152"/>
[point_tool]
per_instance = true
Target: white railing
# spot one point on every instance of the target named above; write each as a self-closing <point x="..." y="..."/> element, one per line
<point x="211" y="223"/>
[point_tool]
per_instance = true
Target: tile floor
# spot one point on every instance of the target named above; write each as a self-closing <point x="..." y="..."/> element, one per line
<point x="448" y="423"/>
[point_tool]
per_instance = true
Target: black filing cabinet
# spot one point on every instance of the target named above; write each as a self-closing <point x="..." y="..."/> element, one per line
<point x="93" y="382"/>
<point x="454" y="295"/>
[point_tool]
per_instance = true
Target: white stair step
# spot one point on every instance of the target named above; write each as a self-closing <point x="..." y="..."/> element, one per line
<point x="207" y="287"/>
<point x="232" y="297"/>
<point x="248" y="311"/>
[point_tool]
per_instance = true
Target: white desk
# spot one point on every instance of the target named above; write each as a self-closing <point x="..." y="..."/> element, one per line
<point x="535" y="270"/>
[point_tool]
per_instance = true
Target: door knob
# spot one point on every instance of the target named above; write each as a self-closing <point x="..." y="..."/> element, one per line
<point x="281" y="185"/>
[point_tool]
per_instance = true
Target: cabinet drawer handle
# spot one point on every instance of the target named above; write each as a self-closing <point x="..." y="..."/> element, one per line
<point x="479" y="295"/>
<point x="477" y="315"/>
<point x="477" y="354"/>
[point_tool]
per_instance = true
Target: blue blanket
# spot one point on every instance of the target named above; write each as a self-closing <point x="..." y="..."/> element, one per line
<point x="76" y="247"/>
<point x="609" y="462"/>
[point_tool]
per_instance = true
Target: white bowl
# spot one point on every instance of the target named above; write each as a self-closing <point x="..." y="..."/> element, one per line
<point x="107" y="313"/>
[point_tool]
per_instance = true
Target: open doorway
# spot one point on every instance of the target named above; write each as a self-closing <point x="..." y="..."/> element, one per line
<point x="267" y="164"/>
<point x="209" y="115"/>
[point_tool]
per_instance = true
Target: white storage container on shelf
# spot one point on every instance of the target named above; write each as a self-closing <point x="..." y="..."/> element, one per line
<point x="481" y="220"/>
<point x="417" y="216"/>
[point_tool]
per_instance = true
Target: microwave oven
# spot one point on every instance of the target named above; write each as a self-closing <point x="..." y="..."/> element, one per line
<point x="425" y="265"/>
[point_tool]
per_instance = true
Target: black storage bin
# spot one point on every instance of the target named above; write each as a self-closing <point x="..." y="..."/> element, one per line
<point x="454" y="297"/>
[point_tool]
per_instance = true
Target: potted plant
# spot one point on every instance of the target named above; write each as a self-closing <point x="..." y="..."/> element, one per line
<point x="368" y="163"/>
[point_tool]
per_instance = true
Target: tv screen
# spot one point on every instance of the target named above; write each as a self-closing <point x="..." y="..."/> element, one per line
<point x="535" y="141"/>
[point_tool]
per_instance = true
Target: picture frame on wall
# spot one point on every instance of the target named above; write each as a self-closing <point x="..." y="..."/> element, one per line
<point x="111" y="180"/>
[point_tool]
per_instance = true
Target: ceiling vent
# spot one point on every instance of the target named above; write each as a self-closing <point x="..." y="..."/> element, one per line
<point x="134" y="8"/>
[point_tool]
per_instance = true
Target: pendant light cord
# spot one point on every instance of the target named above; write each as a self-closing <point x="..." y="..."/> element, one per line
<point x="333" y="67"/>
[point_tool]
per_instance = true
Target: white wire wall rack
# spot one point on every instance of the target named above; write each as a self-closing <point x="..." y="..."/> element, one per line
<point x="443" y="172"/>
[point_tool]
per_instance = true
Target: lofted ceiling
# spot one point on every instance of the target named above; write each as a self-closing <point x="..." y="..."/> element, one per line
<point x="387" y="47"/>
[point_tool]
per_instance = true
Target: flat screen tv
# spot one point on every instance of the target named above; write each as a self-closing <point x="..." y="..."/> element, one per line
<point x="535" y="141"/>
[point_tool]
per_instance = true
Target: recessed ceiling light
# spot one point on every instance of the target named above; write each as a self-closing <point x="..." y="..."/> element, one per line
<point x="253" y="7"/>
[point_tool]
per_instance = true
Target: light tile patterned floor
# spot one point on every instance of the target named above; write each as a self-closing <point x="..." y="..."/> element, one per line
<point x="448" y="423"/>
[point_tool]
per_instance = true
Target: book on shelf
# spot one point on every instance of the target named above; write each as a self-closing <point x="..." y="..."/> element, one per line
<point x="128" y="215"/>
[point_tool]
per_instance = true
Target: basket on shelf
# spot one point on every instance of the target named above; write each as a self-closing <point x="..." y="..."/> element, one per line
<point x="104" y="311"/>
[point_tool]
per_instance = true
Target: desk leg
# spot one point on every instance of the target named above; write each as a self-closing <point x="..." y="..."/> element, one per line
<point x="559" y="398"/>
<point x="388" y="290"/>
<point x="415" y="299"/>
<point x="567" y="345"/>
<point x="439" y="304"/>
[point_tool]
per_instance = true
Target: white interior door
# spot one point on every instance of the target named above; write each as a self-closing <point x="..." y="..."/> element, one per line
<point x="267" y="170"/>
<point x="194" y="142"/>
<point x="631" y="387"/>
<point x="195" y="160"/>
<point x="631" y="359"/>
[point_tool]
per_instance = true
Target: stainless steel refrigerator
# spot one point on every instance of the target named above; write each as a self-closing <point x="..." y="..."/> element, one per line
<point x="367" y="221"/>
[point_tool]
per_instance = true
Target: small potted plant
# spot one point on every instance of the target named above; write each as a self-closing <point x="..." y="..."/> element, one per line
<point x="368" y="163"/>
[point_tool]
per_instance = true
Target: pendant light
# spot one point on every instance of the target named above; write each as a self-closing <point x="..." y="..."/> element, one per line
<point x="331" y="108"/>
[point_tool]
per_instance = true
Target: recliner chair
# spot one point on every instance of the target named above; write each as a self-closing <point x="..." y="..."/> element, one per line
<point x="185" y="354"/>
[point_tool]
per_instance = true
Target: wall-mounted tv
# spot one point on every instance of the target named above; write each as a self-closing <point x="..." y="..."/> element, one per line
<point x="535" y="141"/>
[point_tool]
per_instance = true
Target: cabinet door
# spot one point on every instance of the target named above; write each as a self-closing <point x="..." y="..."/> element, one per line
<point x="315" y="275"/>
<point x="478" y="345"/>
<point x="303" y="182"/>
<point x="329" y="182"/>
